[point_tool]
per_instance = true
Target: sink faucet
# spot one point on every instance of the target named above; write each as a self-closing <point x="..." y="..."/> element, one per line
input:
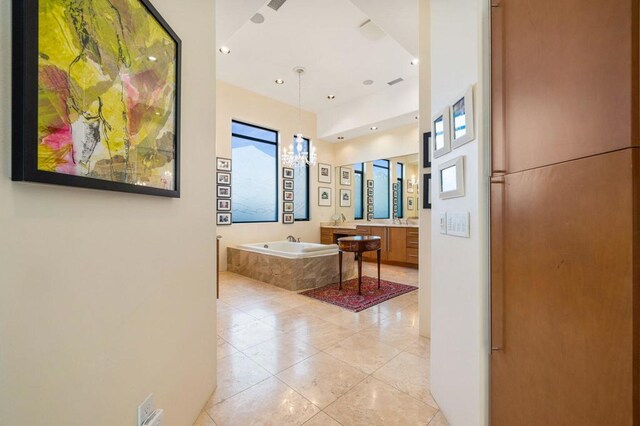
<point x="291" y="239"/>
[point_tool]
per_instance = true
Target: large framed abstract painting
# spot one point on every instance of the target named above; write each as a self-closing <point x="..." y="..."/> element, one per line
<point x="96" y="96"/>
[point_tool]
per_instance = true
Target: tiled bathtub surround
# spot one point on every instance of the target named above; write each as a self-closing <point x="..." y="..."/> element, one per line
<point x="290" y="274"/>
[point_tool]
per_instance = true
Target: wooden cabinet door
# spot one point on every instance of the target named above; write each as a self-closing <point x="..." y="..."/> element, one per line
<point x="564" y="80"/>
<point x="397" y="244"/>
<point x="564" y="291"/>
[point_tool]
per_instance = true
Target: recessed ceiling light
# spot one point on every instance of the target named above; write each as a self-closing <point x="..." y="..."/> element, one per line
<point x="279" y="81"/>
<point x="152" y="58"/>
<point x="331" y="97"/>
<point x="415" y="61"/>
<point x="224" y="50"/>
<point x="340" y="138"/>
<point x="373" y="128"/>
<point x="367" y="82"/>
<point x="258" y="18"/>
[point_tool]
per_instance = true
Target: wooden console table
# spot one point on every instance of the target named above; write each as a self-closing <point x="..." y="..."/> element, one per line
<point x="359" y="245"/>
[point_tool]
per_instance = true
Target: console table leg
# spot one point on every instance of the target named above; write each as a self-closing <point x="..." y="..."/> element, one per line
<point x="378" y="269"/>
<point x="359" y="274"/>
<point x="340" y="267"/>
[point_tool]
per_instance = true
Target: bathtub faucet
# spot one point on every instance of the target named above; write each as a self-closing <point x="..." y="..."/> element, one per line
<point x="291" y="239"/>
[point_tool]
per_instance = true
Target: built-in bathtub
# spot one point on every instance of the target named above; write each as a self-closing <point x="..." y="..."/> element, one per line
<point x="292" y="266"/>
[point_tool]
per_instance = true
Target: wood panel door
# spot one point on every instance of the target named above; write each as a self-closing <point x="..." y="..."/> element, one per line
<point x="564" y="330"/>
<point x="564" y="80"/>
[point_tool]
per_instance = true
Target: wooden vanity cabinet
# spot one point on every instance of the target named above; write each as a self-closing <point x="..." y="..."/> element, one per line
<point x="376" y="231"/>
<point x="397" y="244"/>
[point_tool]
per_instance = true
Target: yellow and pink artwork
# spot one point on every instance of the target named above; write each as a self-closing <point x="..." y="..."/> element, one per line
<point x="107" y="92"/>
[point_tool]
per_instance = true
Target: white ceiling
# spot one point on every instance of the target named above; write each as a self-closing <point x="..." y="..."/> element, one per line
<point x="324" y="37"/>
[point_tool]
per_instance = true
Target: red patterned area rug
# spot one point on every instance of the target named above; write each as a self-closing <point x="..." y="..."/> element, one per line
<point x="348" y="297"/>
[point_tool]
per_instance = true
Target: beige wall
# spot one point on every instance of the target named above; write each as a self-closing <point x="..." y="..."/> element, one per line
<point x="424" y="14"/>
<point x="392" y="143"/>
<point x="106" y="297"/>
<point x="460" y="347"/>
<point x="236" y="103"/>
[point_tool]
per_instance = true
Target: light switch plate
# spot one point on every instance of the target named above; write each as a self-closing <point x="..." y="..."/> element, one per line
<point x="458" y="224"/>
<point x="443" y="223"/>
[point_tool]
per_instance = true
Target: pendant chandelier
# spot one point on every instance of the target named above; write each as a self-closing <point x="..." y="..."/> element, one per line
<point x="296" y="156"/>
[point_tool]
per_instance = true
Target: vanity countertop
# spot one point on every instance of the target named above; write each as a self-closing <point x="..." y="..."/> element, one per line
<point x="355" y="225"/>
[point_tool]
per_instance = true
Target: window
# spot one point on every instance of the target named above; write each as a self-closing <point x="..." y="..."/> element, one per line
<point x="358" y="191"/>
<point x="254" y="151"/>
<point x="301" y="187"/>
<point x="381" y="189"/>
<point x="400" y="181"/>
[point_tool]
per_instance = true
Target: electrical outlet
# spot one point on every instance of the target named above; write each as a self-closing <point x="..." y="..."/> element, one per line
<point x="156" y="419"/>
<point x="145" y="410"/>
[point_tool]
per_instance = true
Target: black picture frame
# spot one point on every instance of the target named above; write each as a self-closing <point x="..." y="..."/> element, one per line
<point x="288" y="218"/>
<point x="223" y="164"/>
<point x="288" y="196"/>
<point x="25" y="108"/>
<point x="288" y="184"/>
<point x="426" y="150"/>
<point x="224" y="204"/>
<point x="287" y="173"/>
<point x="223" y="191"/>
<point x="369" y="183"/>
<point x="224" y="218"/>
<point x="223" y="178"/>
<point x="426" y="191"/>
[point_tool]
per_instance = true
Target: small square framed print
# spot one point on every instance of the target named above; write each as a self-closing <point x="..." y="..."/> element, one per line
<point x="324" y="196"/>
<point x="223" y="178"/>
<point x="287" y="218"/>
<point x="451" y="178"/>
<point x="410" y="188"/>
<point x="287" y="173"/>
<point x="287" y="207"/>
<point x="369" y="217"/>
<point x="370" y="200"/>
<point x="224" y="205"/>
<point x="345" y="176"/>
<point x="426" y="185"/>
<point x="287" y="195"/>
<point x="370" y="208"/>
<point x="370" y="192"/>
<point x="345" y="198"/>
<point x="441" y="131"/>
<point x="370" y="183"/>
<point x="287" y="184"/>
<point x="223" y="218"/>
<point x="462" y="124"/>
<point x="223" y="164"/>
<point x="324" y="173"/>
<point x="426" y="150"/>
<point x="394" y="186"/>
<point x="224" y="192"/>
<point x="410" y="203"/>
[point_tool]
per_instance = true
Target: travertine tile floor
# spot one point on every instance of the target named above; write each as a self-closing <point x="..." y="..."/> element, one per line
<point x="286" y="359"/>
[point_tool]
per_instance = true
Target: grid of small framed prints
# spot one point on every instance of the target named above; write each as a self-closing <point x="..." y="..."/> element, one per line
<point x="223" y="188"/>
<point x="395" y="200"/>
<point x="369" y="200"/>
<point x="288" y="205"/>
